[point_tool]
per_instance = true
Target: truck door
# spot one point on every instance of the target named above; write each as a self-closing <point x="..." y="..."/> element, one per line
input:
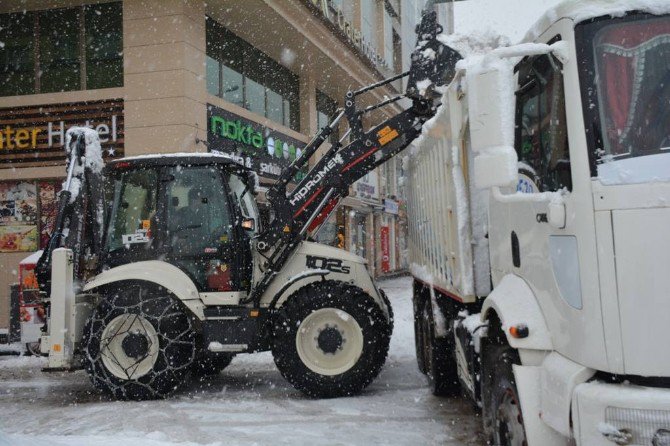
<point x="201" y="236"/>
<point x="557" y="261"/>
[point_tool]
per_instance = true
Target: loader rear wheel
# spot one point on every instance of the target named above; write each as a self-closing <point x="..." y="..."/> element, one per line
<point x="138" y="344"/>
<point x="330" y="339"/>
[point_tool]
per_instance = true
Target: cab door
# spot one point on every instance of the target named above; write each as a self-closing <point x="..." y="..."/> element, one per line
<point x="558" y="261"/>
<point x="201" y="236"/>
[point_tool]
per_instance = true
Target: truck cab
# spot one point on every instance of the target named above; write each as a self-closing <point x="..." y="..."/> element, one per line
<point x="550" y="230"/>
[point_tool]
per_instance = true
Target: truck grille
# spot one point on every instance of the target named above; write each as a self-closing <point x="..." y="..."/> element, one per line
<point x="641" y="423"/>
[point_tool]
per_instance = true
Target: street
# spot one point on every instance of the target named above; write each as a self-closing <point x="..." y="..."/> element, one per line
<point x="248" y="403"/>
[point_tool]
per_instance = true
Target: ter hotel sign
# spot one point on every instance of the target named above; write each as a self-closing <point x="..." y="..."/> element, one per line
<point x="34" y="135"/>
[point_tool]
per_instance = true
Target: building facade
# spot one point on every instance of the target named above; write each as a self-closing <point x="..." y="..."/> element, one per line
<point x="255" y="79"/>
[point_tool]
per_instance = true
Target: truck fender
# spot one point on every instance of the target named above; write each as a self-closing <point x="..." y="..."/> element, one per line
<point x="515" y="303"/>
<point x="154" y="271"/>
<point x="528" y="385"/>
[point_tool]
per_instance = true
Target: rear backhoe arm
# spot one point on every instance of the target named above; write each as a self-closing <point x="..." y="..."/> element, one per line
<point x="307" y="206"/>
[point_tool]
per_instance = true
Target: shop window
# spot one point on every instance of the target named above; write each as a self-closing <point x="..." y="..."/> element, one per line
<point x="62" y="49"/>
<point x="27" y="214"/>
<point x="247" y="77"/>
<point x="325" y="112"/>
<point x="17" y="72"/>
<point x="369" y="22"/>
<point x="59" y="50"/>
<point x="104" y="45"/>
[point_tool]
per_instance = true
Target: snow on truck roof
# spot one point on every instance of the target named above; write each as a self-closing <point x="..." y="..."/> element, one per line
<point x="581" y="10"/>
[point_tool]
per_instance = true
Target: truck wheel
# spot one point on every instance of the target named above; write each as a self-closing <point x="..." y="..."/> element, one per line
<point x="209" y="364"/>
<point x="505" y="417"/>
<point x="330" y="339"/>
<point x="438" y="357"/>
<point x="420" y="340"/>
<point x="138" y="344"/>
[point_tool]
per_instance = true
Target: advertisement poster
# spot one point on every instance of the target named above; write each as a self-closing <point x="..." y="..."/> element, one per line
<point x="18" y="216"/>
<point x="48" y="209"/>
<point x="18" y="203"/>
<point x="18" y="238"/>
<point x="386" y="251"/>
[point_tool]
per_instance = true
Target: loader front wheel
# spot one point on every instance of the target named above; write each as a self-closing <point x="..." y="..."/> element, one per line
<point x="138" y="344"/>
<point x="331" y="339"/>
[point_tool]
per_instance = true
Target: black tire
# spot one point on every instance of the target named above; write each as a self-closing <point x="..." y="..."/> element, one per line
<point x="391" y="319"/>
<point x="419" y="335"/>
<point x="209" y="364"/>
<point x="503" y="414"/>
<point x="144" y="326"/>
<point x="438" y="356"/>
<point x="326" y="299"/>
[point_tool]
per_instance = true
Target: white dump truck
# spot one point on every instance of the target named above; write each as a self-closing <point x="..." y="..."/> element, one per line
<point x="539" y="209"/>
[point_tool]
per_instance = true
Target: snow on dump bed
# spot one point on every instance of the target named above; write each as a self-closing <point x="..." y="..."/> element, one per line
<point x="581" y="10"/>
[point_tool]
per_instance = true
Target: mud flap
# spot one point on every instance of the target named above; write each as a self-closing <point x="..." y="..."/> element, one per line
<point x="528" y="386"/>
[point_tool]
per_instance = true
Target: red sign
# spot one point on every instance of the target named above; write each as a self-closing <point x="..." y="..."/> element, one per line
<point x="386" y="249"/>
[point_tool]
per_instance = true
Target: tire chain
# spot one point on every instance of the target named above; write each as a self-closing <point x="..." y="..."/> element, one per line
<point x="170" y="309"/>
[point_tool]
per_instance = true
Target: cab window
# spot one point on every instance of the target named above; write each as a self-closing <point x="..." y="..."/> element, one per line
<point x="133" y="209"/>
<point x="541" y="127"/>
<point x="243" y="197"/>
<point x="197" y="212"/>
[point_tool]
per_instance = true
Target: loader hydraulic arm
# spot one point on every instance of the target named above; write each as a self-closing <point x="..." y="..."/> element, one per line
<point x="307" y="206"/>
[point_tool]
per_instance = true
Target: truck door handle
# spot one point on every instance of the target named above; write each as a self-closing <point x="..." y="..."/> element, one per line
<point x="516" y="251"/>
<point x="542" y="218"/>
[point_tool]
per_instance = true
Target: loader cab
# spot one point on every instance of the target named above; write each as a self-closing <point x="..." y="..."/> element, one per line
<point x="195" y="212"/>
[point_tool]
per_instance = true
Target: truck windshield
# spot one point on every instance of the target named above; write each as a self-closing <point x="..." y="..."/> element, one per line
<point x="633" y="65"/>
<point x="624" y="68"/>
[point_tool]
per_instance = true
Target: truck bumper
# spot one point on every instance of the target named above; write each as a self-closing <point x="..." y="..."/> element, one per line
<point x="640" y="414"/>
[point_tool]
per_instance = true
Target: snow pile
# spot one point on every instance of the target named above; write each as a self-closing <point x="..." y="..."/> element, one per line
<point x="423" y="86"/>
<point x="472" y="44"/>
<point x="475" y="326"/>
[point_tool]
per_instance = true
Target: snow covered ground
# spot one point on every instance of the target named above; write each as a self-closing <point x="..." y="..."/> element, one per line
<point x="248" y="404"/>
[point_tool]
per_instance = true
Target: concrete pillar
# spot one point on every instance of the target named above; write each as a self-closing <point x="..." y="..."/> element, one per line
<point x="164" y="75"/>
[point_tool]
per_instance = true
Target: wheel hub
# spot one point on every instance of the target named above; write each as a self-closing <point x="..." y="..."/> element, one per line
<point x="330" y="340"/>
<point x="510" y="422"/>
<point x="129" y="346"/>
<point x="135" y="345"/>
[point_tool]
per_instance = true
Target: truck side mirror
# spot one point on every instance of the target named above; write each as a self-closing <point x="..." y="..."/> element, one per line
<point x="491" y="116"/>
<point x="496" y="166"/>
<point x="491" y="104"/>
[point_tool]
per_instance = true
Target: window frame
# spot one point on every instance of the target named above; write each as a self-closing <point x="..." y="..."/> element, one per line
<point x="528" y="82"/>
<point x="234" y="53"/>
<point x="82" y="30"/>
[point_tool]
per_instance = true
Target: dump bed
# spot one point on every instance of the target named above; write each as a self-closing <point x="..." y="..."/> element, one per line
<point x="447" y="216"/>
